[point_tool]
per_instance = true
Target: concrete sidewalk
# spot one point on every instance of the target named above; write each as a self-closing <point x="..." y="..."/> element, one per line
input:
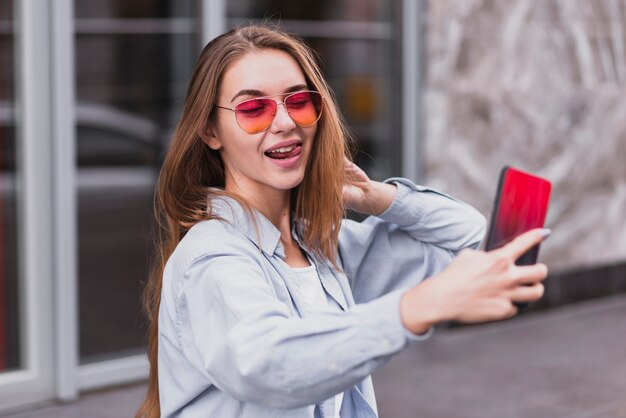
<point x="569" y="362"/>
<point x="566" y="363"/>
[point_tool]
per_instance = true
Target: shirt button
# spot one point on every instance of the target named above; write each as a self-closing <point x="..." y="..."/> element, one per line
<point x="386" y="343"/>
<point x="333" y="367"/>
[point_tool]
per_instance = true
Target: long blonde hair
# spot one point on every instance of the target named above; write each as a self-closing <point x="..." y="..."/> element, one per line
<point x="192" y="173"/>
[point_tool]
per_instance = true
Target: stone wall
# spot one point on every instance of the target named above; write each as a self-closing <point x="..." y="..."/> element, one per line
<point x="539" y="85"/>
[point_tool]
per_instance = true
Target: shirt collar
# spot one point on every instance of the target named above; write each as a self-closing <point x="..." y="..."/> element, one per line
<point x="254" y="225"/>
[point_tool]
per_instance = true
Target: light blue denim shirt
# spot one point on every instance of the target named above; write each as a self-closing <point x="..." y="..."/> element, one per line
<point x="236" y="338"/>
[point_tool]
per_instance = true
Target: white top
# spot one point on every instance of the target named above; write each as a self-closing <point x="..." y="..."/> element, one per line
<point x="313" y="293"/>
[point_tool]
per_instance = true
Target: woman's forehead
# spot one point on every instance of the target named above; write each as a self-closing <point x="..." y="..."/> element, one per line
<point x="269" y="71"/>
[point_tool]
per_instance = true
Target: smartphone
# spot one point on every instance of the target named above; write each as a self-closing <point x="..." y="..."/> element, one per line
<point x="521" y="205"/>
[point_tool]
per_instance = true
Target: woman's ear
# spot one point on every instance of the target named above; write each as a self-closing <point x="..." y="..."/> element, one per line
<point x="210" y="138"/>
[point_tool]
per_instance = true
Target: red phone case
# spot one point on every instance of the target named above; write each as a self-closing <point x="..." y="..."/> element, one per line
<point x="521" y="205"/>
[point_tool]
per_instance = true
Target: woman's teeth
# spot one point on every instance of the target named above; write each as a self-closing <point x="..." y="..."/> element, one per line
<point x="284" y="152"/>
<point x="281" y="150"/>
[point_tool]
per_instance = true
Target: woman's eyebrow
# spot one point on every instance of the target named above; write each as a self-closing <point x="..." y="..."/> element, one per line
<point x="253" y="92"/>
<point x="296" y="88"/>
<point x="247" y="92"/>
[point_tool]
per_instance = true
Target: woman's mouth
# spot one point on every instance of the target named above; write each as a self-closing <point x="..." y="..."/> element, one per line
<point x="286" y="155"/>
<point x="283" y="153"/>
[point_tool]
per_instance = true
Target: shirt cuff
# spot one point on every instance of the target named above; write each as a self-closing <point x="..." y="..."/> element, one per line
<point x="418" y="337"/>
<point x="390" y="303"/>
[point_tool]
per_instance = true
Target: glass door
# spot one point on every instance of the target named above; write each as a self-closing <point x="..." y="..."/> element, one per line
<point x="9" y="294"/>
<point x="26" y="354"/>
<point x="132" y="64"/>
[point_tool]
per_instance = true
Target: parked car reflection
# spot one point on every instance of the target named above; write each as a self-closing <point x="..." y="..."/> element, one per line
<point x="118" y="158"/>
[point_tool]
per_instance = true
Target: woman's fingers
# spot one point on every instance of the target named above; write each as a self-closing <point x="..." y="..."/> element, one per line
<point x="525" y="275"/>
<point x="526" y="293"/>
<point x="350" y="169"/>
<point x="484" y="286"/>
<point x="516" y="248"/>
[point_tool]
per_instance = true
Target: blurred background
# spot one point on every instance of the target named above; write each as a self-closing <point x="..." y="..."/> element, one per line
<point x="444" y="92"/>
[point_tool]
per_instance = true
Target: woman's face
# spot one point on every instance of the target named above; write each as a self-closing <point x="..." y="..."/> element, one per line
<point x="252" y="161"/>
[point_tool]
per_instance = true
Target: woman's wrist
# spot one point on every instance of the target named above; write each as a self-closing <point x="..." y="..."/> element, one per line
<point x="378" y="197"/>
<point x="420" y="308"/>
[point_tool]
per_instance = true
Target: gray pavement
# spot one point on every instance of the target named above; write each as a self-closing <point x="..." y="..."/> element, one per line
<point x="566" y="363"/>
<point x="569" y="362"/>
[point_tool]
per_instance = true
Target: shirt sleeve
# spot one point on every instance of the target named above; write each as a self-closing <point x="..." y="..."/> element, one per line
<point x="244" y="339"/>
<point x="415" y="238"/>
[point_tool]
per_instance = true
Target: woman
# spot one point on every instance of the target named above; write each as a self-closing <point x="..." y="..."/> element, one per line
<point x="266" y="303"/>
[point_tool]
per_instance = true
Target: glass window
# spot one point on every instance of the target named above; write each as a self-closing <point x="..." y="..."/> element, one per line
<point x="359" y="44"/>
<point x="9" y="292"/>
<point x="133" y="62"/>
<point x="350" y="10"/>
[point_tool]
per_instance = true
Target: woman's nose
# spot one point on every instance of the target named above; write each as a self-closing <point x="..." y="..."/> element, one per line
<point x="282" y="121"/>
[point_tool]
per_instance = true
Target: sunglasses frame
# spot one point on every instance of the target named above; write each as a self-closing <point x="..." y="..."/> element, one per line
<point x="278" y="103"/>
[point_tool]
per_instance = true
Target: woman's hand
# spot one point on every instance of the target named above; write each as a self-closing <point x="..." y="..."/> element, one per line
<point x="477" y="287"/>
<point x="364" y="195"/>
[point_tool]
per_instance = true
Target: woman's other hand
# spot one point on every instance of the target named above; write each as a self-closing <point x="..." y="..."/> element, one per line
<point x="477" y="287"/>
<point x="364" y="195"/>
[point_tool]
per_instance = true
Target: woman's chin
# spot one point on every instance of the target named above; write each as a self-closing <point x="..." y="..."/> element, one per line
<point x="288" y="182"/>
<point x="289" y="185"/>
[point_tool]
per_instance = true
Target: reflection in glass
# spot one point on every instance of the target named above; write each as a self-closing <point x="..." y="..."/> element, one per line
<point x="132" y="66"/>
<point x="9" y="294"/>
<point x="124" y="9"/>
<point x="348" y="10"/>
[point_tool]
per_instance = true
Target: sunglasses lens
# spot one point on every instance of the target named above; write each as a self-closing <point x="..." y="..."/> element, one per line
<point x="255" y="115"/>
<point x="305" y="108"/>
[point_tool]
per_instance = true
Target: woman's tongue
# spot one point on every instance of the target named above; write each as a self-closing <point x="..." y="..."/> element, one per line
<point x="281" y="155"/>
